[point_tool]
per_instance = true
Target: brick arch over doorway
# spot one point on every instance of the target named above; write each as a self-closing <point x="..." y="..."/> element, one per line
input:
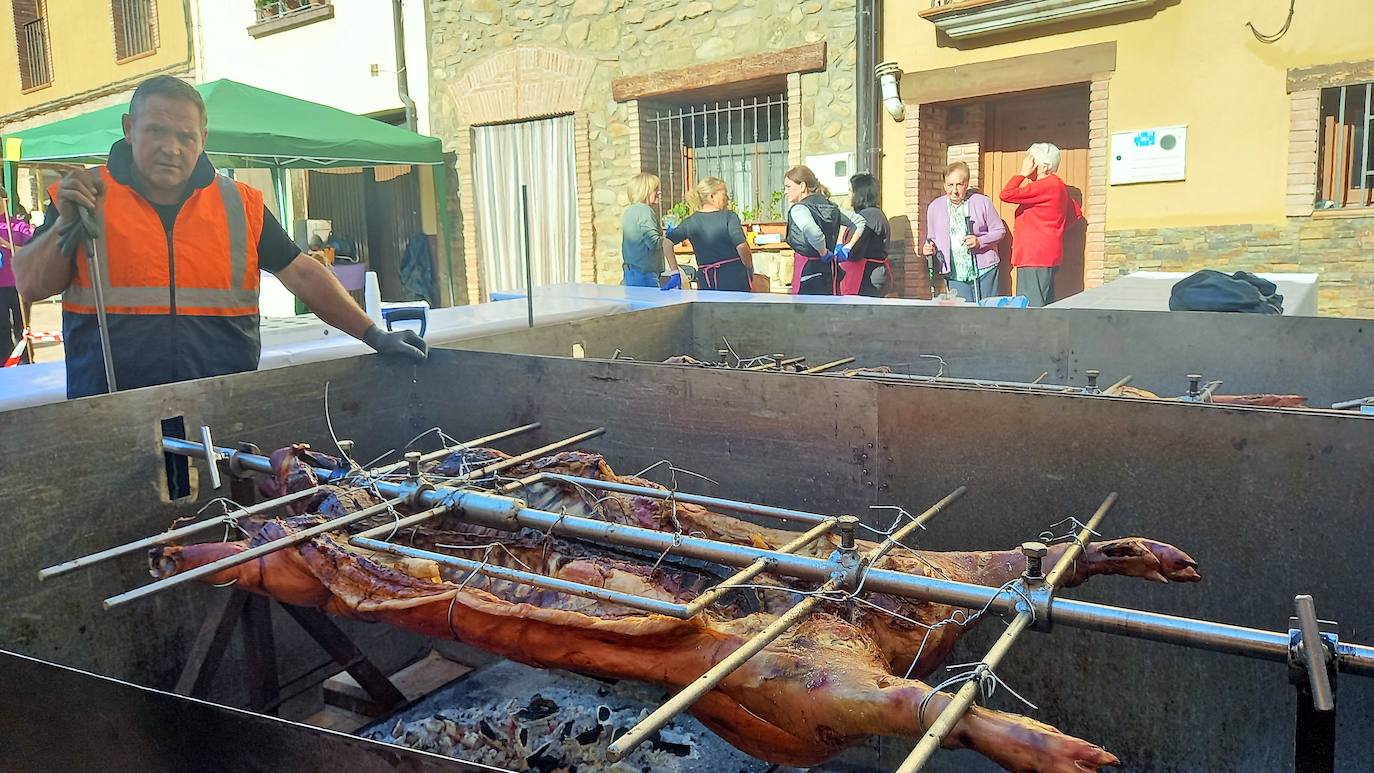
<point x="521" y="84"/>
<point x="970" y="88"/>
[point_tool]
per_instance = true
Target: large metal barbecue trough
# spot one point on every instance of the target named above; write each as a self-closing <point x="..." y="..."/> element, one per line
<point x="1188" y="354"/>
<point x="846" y="577"/>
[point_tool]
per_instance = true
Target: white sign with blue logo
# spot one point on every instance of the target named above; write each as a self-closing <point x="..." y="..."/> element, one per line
<point x="1149" y="155"/>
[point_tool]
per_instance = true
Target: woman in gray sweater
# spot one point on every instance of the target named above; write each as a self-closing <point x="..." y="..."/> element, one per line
<point x="643" y="250"/>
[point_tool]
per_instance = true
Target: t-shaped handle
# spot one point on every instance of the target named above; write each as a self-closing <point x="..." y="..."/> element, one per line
<point x="212" y="456"/>
<point x="1314" y="652"/>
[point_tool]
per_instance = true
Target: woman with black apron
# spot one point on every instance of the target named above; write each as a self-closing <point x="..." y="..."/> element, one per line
<point x="813" y="231"/>
<point x="724" y="260"/>
<point x="867" y="272"/>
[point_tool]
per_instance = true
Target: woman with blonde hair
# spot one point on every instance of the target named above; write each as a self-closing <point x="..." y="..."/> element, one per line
<point x="724" y="260"/>
<point x="643" y="250"/>
<point x="813" y="232"/>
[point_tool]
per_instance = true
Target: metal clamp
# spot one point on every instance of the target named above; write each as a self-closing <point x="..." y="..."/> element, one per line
<point x="236" y="467"/>
<point x="1034" y="593"/>
<point x="413" y="498"/>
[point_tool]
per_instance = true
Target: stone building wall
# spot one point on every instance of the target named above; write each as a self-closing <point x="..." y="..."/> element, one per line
<point x="624" y="38"/>
<point x="1338" y="249"/>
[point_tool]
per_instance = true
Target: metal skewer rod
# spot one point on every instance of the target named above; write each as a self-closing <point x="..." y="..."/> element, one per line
<point x="1205" y="395"/>
<point x="782" y="513"/>
<point x="1075" y="548"/>
<point x="172" y="534"/>
<point x="829" y="365"/>
<point x="779" y="364"/>
<point x="977" y="382"/>
<point x="957" y="707"/>
<point x="442" y="452"/>
<point x="1347" y="404"/>
<point x="496" y="467"/>
<point x="658" y="606"/>
<point x="250" y="554"/>
<point x="959" y="704"/>
<point x="895" y="538"/>
<point x="753" y="570"/>
<point x="682" y="611"/>
<point x="502" y="512"/>
<point x="645" y="603"/>
<point x="1114" y="388"/>
<point x="716" y="674"/>
<point x="395" y="527"/>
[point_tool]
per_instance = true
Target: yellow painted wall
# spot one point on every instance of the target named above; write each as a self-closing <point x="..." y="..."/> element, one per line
<point x="81" y="36"/>
<point x="1194" y="62"/>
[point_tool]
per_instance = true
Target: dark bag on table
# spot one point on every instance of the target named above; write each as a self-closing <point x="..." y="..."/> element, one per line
<point x="1209" y="290"/>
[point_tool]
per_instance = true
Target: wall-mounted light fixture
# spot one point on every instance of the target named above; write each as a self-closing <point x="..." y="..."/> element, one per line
<point x="889" y="78"/>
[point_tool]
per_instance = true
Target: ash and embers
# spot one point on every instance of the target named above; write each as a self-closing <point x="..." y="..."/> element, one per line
<point x="562" y="730"/>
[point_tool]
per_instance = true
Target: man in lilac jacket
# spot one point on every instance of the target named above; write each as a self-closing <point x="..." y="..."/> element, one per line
<point x="962" y="231"/>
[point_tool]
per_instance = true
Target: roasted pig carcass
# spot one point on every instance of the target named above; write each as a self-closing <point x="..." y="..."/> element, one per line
<point x="1258" y="400"/>
<point x="832" y="681"/>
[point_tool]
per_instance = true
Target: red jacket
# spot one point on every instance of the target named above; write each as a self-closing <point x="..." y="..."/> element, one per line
<point x="1043" y="210"/>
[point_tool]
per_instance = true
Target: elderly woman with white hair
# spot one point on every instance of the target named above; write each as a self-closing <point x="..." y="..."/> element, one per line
<point x="1044" y="210"/>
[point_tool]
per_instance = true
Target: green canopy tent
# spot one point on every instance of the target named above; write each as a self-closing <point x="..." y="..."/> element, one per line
<point x="249" y="128"/>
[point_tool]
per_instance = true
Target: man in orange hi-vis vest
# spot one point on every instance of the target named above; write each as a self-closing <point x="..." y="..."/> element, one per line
<point x="181" y="247"/>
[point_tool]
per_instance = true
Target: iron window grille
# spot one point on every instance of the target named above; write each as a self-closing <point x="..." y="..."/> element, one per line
<point x="1345" y="174"/>
<point x="135" y="24"/>
<point x="35" y="65"/>
<point x="741" y="141"/>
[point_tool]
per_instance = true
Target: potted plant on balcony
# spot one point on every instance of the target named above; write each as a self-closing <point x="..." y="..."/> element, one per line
<point x="268" y="10"/>
<point x="767" y="217"/>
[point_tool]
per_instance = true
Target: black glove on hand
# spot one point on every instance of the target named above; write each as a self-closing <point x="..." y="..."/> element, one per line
<point x="405" y="344"/>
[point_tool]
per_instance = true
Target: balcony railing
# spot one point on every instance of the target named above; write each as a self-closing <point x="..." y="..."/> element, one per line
<point x="971" y="18"/>
<point x="269" y="10"/>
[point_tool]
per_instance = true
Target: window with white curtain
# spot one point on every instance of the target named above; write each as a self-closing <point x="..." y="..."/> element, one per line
<point x="538" y="156"/>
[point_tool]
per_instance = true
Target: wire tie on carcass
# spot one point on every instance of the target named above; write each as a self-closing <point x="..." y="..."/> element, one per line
<point x="673" y="469"/>
<point x="677" y="542"/>
<point x="954" y="618"/>
<point x="986" y="679"/>
<point x="329" y="422"/>
<point x="1047" y="536"/>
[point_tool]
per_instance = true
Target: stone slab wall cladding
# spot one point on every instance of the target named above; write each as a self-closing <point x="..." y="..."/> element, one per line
<point x="1335" y="248"/>
<point x="615" y="39"/>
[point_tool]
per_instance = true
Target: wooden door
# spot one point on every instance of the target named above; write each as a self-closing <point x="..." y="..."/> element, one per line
<point x="1014" y="123"/>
